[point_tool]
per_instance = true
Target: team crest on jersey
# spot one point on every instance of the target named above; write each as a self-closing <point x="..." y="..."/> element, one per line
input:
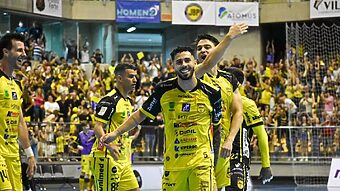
<point x="185" y="107"/>
<point x="201" y="108"/>
<point x="14" y="96"/>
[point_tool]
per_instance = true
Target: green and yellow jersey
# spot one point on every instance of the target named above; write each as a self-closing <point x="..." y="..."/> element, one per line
<point x="228" y="84"/>
<point x="10" y="104"/>
<point x="113" y="110"/>
<point x="253" y="123"/>
<point x="188" y="116"/>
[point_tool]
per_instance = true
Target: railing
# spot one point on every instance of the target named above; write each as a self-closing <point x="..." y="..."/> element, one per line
<point x="289" y="143"/>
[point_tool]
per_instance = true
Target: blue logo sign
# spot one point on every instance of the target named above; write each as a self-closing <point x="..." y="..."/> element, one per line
<point x="14" y="95"/>
<point x="185" y="107"/>
<point x="222" y="11"/>
<point x="138" y="12"/>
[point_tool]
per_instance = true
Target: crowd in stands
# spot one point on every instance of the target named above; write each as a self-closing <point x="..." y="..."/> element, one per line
<point x="300" y="92"/>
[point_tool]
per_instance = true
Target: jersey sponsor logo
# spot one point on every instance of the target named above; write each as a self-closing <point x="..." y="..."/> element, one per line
<point x="15" y="106"/>
<point x="200" y="108"/>
<point x="169" y="184"/>
<point x="11" y="122"/>
<point x="102" y="111"/>
<point x="4" y="104"/>
<point x="188" y="140"/>
<point x="185" y="107"/>
<point x="6" y="94"/>
<point x="152" y="103"/>
<point x="12" y="114"/>
<point x="14" y="96"/>
<point x="184" y="125"/>
<point x="185" y="96"/>
<point x="101" y="176"/>
<point x="185" y="132"/>
<point x="185" y="148"/>
<point x="185" y="117"/>
<point x="183" y="154"/>
<point x="171" y="106"/>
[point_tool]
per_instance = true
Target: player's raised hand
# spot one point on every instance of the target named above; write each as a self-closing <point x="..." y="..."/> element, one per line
<point x="226" y="149"/>
<point x="265" y="175"/>
<point x="237" y="29"/>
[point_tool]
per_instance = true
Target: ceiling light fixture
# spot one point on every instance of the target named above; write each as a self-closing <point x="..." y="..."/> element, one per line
<point x="131" y="29"/>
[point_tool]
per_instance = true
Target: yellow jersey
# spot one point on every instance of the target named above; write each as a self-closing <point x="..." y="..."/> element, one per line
<point x="113" y="110"/>
<point x="228" y="83"/>
<point x="10" y="104"/>
<point x="188" y="116"/>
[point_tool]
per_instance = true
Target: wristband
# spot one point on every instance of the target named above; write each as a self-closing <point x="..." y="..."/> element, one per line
<point x="29" y="152"/>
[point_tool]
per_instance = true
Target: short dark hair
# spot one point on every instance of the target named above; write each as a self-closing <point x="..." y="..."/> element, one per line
<point x="236" y="72"/>
<point x="207" y="37"/>
<point x="122" y="67"/>
<point x="180" y="49"/>
<point x="6" y="41"/>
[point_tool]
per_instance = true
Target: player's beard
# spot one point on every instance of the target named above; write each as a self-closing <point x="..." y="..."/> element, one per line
<point x="187" y="75"/>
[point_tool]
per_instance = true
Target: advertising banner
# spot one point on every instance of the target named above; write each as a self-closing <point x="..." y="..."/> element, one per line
<point x="193" y="13"/>
<point x="324" y="8"/>
<point x="228" y="13"/>
<point x="138" y="12"/>
<point x="48" y="7"/>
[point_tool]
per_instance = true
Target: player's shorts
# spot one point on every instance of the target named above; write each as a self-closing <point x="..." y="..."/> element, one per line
<point x="10" y="174"/>
<point x="111" y="175"/>
<point x="232" y="173"/>
<point x="86" y="165"/>
<point x="221" y="173"/>
<point x="199" y="178"/>
<point x="238" y="174"/>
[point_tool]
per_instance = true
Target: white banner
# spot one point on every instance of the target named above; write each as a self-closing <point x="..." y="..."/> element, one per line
<point x="334" y="174"/>
<point x="48" y="7"/>
<point x="324" y="8"/>
<point x="228" y="13"/>
<point x="193" y="13"/>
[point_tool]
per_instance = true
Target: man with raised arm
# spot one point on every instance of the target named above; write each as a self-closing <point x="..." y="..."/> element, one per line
<point x="189" y="106"/>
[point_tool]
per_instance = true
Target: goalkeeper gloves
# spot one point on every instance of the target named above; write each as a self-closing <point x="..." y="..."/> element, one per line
<point x="265" y="175"/>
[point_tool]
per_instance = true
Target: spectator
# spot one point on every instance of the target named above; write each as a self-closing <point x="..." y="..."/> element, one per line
<point x="39" y="114"/>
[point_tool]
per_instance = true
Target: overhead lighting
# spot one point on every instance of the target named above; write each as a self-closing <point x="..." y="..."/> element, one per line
<point x="5" y="14"/>
<point x="131" y="29"/>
